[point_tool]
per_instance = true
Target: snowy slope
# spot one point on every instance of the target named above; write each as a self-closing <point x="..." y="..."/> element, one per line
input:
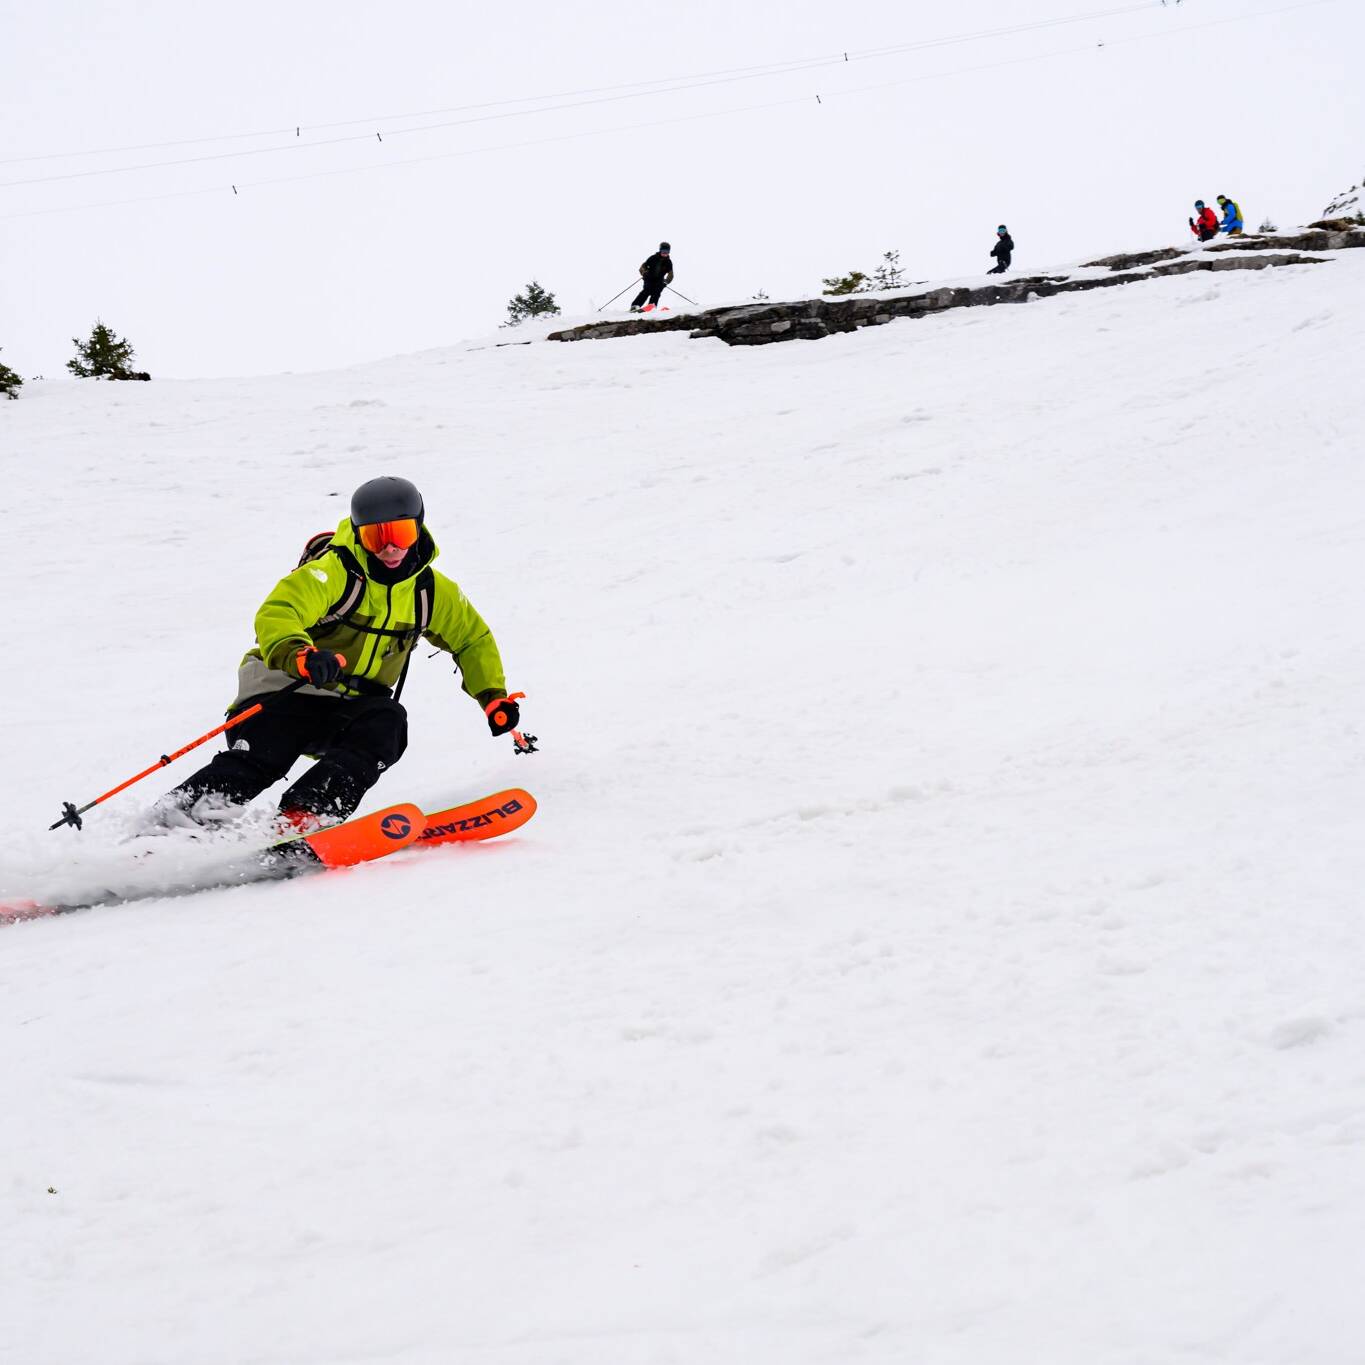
<point x="941" y="937"/>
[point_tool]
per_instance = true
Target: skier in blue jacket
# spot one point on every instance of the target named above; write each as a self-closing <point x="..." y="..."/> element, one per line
<point x="1232" y="216"/>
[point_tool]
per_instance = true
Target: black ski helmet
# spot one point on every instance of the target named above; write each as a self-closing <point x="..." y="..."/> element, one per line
<point x="387" y="498"/>
<point x="664" y="246"/>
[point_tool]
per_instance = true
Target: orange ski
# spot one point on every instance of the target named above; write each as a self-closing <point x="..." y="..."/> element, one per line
<point x="354" y="841"/>
<point x="344" y="845"/>
<point x="486" y="818"/>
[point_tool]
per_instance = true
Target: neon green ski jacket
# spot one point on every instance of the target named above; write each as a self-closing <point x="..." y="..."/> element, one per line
<point x="328" y="604"/>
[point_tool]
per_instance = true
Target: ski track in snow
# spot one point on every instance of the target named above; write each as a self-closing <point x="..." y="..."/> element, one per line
<point x="940" y="939"/>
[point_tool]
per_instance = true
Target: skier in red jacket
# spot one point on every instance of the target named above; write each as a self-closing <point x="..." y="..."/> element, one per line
<point x="1205" y="227"/>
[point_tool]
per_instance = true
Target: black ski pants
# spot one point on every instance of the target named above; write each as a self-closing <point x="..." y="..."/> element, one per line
<point x="355" y="739"/>
<point x="1002" y="267"/>
<point x="652" y="291"/>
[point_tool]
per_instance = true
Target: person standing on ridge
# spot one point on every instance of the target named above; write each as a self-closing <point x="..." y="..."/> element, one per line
<point x="1003" y="250"/>
<point x="1232" y="216"/>
<point x="344" y="623"/>
<point x="657" y="274"/>
<point x="1205" y="227"/>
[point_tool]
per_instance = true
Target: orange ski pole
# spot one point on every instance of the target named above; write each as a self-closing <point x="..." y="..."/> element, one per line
<point x="71" y="813"/>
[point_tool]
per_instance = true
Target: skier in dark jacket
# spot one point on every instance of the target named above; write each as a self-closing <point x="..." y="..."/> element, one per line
<point x="657" y="274"/>
<point x="1003" y="250"/>
<point x="1205" y="227"/>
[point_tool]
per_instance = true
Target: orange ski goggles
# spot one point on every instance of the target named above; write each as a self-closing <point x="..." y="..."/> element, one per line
<point x="402" y="534"/>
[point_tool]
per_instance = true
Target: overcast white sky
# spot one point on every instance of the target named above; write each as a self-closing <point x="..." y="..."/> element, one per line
<point x="1083" y="137"/>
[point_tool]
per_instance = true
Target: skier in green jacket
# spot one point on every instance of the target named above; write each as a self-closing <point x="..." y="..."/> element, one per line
<point x="344" y="623"/>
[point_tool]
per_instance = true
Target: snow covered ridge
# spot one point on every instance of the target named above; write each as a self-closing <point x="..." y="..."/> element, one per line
<point x="812" y="319"/>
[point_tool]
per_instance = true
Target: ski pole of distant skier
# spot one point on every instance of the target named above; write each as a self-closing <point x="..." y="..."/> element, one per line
<point x="71" y="813"/>
<point x="679" y="293"/>
<point x="614" y="297"/>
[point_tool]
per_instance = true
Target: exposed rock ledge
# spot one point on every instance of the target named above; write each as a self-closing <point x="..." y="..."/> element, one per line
<point x="810" y="319"/>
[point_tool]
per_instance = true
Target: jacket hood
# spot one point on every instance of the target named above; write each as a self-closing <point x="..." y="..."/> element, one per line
<point x="426" y="551"/>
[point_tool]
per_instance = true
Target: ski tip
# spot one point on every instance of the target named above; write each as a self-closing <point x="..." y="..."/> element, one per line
<point x="490" y="816"/>
<point x="369" y="837"/>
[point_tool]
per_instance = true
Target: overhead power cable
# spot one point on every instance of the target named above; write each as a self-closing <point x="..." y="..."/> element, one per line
<point x="788" y="102"/>
<point x="599" y="95"/>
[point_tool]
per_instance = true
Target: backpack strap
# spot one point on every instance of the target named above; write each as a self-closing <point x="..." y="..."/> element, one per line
<point x="353" y="591"/>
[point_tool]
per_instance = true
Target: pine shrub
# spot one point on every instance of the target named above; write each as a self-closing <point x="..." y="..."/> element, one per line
<point x="855" y="282"/>
<point x="532" y="302"/>
<point x="10" y="383"/>
<point x="889" y="275"/>
<point x="103" y="356"/>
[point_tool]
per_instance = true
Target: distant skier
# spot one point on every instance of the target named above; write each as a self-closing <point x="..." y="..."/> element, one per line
<point x="1232" y="216"/>
<point x="345" y="620"/>
<point x="657" y="273"/>
<point x="1003" y="250"/>
<point x="1205" y="227"/>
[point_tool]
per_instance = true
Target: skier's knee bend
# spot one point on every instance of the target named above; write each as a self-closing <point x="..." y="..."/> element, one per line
<point x="335" y="785"/>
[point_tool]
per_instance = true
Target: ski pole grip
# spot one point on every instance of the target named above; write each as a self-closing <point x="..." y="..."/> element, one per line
<point x="301" y="665"/>
<point x="500" y="717"/>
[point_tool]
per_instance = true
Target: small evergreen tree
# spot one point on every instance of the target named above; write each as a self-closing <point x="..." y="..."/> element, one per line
<point x="103" y="356"/>
<point x="888" y="275"/>
<point x="855" y="282"/>
<point x="10" y="383"/>
<point x="532" y="302"/>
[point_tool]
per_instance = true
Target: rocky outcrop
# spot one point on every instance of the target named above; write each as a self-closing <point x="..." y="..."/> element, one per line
<point x="758" y="324"/>
<point x="1135" y="261"/>
<point x="1323" y="236"/>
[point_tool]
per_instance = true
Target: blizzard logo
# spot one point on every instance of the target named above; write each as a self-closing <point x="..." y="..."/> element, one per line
<point x="480" y="821"/>
<point x="395" y="826"/>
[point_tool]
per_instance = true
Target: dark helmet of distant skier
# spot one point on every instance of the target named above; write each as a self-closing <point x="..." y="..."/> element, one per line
<point x="665" y="248"/>
<point x="1001" y="231"/>
<point x="387" y="498"/>
<point x="1199" y="203"/>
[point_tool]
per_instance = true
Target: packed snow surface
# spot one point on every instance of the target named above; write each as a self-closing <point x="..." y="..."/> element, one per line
<point x="941" y="939"/>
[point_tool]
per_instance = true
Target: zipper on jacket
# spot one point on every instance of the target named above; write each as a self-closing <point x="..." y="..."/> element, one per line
<point x="384" y="625"/>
